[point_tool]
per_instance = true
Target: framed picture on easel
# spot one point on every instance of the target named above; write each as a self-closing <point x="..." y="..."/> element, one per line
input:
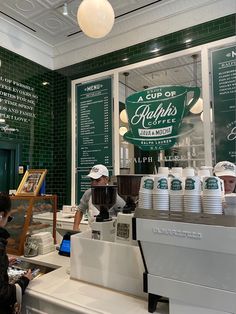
<point x="31" y="182"/>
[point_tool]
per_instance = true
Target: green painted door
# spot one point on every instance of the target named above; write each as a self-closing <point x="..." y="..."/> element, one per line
<point x="5" y="161"/>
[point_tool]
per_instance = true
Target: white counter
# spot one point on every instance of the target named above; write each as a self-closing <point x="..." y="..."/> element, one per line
<point x="55" y="292"/>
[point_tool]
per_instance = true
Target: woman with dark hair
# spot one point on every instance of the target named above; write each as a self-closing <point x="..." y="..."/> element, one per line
<point x="10" y="294"/>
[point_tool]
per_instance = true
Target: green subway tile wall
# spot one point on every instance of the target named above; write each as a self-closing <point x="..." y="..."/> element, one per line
<point x="61" y="182"/>
<point x="45" y="142"/>
<point x="35" y="135"/>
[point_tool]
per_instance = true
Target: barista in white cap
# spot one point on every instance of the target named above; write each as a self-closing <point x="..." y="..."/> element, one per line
<point x="226" y="171"/>
<point x="99" y="175"/>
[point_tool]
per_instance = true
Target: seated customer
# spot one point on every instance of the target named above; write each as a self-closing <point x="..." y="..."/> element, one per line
<point x="226" y="171"/>
<point x="10" y="294"/>
<point x="99" y="175"/>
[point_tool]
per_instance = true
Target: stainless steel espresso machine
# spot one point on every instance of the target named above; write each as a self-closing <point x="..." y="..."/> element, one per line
<point x="189" y="258"/>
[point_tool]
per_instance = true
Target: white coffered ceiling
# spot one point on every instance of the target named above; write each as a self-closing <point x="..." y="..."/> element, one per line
<point x="44" y="18"/>
<point x="38" y="30"/>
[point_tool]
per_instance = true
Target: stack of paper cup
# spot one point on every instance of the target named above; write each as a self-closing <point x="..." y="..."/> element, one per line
<point x="188" y="172"/>
<point x="177" y="171"/>
<point x="203" y="173"/>
<point x="192" y="195"/>
<point x="176" y="194"/>
<point x="212" y="195"/>
<point x="160" y="193"/>
<point x="145" y="193"/>
<point x="163" y="171"/>
<point x="208" y="168"/>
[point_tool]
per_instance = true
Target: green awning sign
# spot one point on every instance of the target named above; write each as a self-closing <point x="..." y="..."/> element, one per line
<point x="155" y="116"/>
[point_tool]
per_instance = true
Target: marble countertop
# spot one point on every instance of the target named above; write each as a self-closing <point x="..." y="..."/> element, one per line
<point x="57" y="287"/>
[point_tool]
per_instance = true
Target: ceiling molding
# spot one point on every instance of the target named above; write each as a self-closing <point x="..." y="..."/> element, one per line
<point x="161" y="18"/>
<point x="138" y="30"/>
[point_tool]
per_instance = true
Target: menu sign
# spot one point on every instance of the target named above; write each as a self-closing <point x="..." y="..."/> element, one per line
<point x="224" y="100"/>
<point x="94" y="128"/>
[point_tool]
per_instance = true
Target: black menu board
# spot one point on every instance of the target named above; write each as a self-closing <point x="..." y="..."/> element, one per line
<point x="94" y="129"/>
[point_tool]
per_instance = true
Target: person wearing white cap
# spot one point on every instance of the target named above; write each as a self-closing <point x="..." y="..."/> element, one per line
<point x="99" y="175"/>
<point x="226" y="171"/>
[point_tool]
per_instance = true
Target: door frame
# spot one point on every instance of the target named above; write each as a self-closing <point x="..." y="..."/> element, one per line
<point x="14" y="162"/>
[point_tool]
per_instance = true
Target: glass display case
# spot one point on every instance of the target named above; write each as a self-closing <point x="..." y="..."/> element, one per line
<point x="24" y="209"/>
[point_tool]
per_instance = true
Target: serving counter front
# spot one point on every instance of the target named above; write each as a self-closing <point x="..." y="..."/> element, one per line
<point x="189" y="259"/>
<point x="55" y="292"/>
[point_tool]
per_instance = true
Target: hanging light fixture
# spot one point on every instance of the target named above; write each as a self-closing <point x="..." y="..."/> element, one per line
<point x="122" y="130"/>
<point x="198" y="106"/>
<point x="123" y="114"/>
<point x="95" y="17"/>
<point x="65" y="9"/>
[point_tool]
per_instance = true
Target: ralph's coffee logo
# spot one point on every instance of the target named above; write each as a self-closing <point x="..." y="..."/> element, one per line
<point x="211" y="184"/>
<point x="148" y="184"/>
<point x="189" y="184"/>
<point x="155" y="116"/>
<point x="162" y="184"/>
<point x="176" y="185"/>
<point x="147" y="117"/>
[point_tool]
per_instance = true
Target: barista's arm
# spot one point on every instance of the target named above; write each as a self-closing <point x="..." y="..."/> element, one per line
<point x="77" y="220"/>
<point x="82" y="208"/>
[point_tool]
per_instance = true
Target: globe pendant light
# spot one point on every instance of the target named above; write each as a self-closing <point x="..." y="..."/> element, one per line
<point x="198" y="107"/>
<point x="122" y="130"/>
<point x="123" y="116"/>
<point x="95" y="17"/>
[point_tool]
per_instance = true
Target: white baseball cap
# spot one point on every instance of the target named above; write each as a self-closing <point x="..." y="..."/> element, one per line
<point x="98" y="171"/>
<point x="225" y="168"/>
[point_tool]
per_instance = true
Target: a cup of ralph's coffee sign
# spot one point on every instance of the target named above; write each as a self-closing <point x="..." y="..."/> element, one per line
<point x="155" y="115"/>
